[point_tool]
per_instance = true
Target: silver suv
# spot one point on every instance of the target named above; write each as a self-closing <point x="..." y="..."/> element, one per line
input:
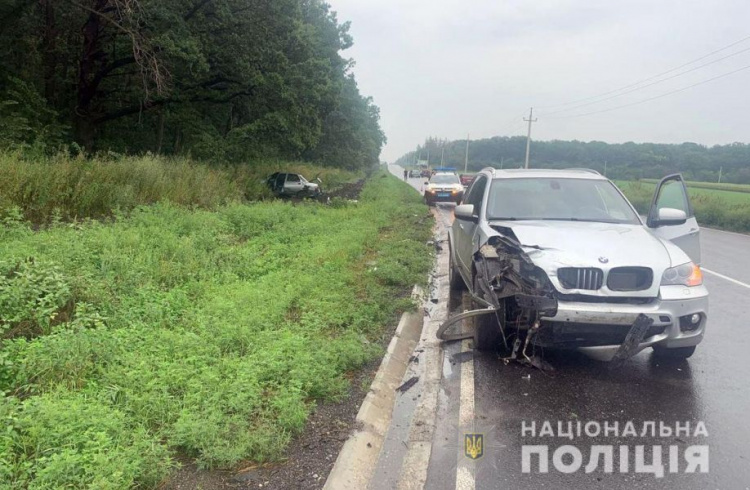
<point x="561" y="259"/>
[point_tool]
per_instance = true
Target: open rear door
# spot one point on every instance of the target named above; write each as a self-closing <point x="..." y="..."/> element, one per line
<point x="671" y="216"/>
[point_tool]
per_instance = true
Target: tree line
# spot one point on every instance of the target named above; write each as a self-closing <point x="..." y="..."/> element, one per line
<point x="625" y="161"/>
<point x="227" y="80"/>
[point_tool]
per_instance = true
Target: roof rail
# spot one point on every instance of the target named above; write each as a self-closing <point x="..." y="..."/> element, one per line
<point x="581" y="169"/>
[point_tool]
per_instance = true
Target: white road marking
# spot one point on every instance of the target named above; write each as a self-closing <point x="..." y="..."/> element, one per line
<point x="726" y="278"/>
<point x="465" y="468"/>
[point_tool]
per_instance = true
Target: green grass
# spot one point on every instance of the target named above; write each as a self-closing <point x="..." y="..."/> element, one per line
<point x="209" y="332"/>
<point x="65" y="188"/>
<point x="696" y="190"/>
<point x="724" y="209"/>
<point x="711" y="185"/>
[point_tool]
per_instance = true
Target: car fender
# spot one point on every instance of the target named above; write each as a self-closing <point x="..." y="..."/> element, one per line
<point x="454" y="259"/>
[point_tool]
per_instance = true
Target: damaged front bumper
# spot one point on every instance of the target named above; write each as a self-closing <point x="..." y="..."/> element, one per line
<point x="597" y="329"/>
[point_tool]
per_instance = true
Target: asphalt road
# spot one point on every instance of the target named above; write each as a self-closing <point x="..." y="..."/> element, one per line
<point x="711" y="388"/>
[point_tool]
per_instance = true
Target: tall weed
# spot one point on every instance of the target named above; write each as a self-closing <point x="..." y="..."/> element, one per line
<point x="212" y="332"/>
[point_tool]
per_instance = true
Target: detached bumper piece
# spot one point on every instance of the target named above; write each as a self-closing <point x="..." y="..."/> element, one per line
<point x="542" y="305"/>
<point x="632" y="341"/>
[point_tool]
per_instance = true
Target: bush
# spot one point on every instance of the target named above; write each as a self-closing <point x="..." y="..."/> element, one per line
<point x="66" y="188"/>
<point x="67" y="440"/>
<point x="32" y="295"/>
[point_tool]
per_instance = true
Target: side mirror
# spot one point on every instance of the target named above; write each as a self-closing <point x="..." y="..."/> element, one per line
<point x="465" y="212"/>
<point x="426" y="183"/>
<point x="670" y="217"/>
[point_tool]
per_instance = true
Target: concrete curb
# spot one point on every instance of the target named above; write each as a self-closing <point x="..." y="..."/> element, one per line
<point x="359" y="456"/>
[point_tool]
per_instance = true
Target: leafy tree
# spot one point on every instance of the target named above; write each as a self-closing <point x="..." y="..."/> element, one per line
<point x="626" y="161"/>
<point x="221" y="79"/>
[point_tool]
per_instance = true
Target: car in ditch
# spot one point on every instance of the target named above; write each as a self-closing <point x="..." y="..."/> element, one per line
<point x="560" y="259"/>
<point x="292" y="184"/>
<point x="443" y="187"/>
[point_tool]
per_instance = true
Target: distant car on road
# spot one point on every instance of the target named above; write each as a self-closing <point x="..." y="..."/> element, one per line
<point x="466" y="179"/>
<point x="292" y="184"/>
<point x="414" y="173"/>
<point x="443" y="170"/>
<point x="563" y="261"/>
<point x="443" y="187"/>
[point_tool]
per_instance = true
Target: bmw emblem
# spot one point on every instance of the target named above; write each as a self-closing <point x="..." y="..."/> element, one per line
<point x="603" y="260"/>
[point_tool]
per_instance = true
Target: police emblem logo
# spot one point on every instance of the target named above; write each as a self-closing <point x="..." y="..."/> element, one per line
<point x="473" y="446"/>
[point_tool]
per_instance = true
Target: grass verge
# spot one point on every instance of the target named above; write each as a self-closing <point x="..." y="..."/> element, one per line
<point x="209" y="332"/>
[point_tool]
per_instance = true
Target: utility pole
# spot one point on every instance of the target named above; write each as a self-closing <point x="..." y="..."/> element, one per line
<point x="528" y="136"/>
<point x="605" y="168"/>
<point x="442" y="155"/>
<point x="428" y="158"/>
<point x="466" y="158"/>
<point x="720" y="170"/>
<point x="502" y="160"/>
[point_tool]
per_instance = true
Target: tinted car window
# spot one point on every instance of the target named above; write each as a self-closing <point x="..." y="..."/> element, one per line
<point x="558" y="199"/>
<point x="293" y="178"/>
<point x="476" y="193"/>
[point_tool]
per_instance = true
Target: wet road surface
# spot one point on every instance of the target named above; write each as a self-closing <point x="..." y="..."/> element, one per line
<point x="712" y="387"/>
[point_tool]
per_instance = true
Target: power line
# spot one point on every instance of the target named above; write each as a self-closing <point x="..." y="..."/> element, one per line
<point x="656" y="97"/>
<point x="650" y="78"/>
<point x="512" y="123"/>
<point x="648" y="85"/>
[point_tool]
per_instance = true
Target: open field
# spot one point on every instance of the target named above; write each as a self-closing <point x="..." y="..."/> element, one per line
<point x="730" y="193"/>
<point x="725" y="209"/>
<point x="710" y="185"/>
<point x="201" y="332"/>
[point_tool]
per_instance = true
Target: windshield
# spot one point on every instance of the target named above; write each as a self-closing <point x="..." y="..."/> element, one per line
<point x="558" y="199"/>
<point x="444" y="179"/>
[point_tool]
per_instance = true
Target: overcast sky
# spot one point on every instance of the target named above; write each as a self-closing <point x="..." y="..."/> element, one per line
<point x="447" y="68"/>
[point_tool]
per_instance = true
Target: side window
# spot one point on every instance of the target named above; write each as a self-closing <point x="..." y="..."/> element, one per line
<point x="673" y="195"/>
<point x="280" y="180"/>
<point x="292" y="178"/>
<point x="476" y="193"/>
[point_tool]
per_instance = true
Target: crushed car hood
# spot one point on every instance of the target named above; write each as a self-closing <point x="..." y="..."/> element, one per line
<point x="555" y="244"/>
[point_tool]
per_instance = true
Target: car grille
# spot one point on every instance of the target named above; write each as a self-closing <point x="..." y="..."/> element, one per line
<point x="580" y="278"/>
<point x="630" y="278"/>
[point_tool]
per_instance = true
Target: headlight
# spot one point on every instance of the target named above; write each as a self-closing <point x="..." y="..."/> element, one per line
<point x="430" y="191"/>
<point x="683" y="275"/>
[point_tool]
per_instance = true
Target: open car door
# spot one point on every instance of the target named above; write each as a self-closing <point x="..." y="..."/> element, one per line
<point x="671" y="216"/>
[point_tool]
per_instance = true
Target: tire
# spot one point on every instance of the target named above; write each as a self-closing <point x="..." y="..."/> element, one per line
<point x="455" y="281"/>
<point x="487" y="336"/>
<point x="674" y="353"/>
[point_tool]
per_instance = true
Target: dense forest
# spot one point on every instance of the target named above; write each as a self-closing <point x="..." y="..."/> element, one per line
<point x="222" y="80"/>
<point x="626" y="161"/>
